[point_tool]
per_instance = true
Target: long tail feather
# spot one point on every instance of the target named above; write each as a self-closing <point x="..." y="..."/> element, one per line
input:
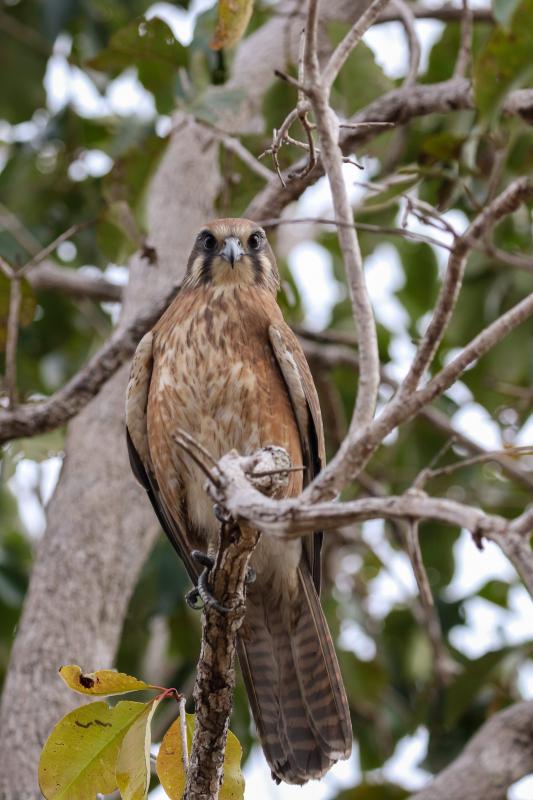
<point x="294" y="684"/>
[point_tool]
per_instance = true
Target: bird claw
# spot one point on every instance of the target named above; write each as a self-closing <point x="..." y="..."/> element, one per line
<point x="201" y="597"/>
<point x="221" y="514"/>
<point x="207" y="597"/>
<point x="203" y="559"/>
<point x="194" y="600"/>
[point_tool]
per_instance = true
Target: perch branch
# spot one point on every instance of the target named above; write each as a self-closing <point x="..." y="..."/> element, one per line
<point x="215" y="676"/>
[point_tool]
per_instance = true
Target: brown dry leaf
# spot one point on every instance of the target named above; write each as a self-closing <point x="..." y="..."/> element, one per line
<point x="233" y="19"/>
<point x="102" y="682"/>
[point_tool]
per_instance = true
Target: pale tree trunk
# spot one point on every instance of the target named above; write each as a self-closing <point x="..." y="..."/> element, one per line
<point x="100" y="525"/>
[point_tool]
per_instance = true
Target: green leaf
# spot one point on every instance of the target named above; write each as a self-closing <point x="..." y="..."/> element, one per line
<point x="150" y="46"/>
<point x="496" y="592"/>
<point x="80" y="755"/>
<point x="169" y="765"/>
<point x="102" y="682"/>
<point x="505" y="62"/>
<point x="133" y="763"/>
<point x="233" y="19"/>
<point x="27" y="306"/>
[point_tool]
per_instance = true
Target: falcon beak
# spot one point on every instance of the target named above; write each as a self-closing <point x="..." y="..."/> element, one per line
<point x="232" y="250"/>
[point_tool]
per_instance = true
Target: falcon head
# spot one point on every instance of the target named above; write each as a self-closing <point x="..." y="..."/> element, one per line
<point x="232" y="252"/>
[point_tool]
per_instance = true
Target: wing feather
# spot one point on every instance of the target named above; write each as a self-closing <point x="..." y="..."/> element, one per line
<point x="139" y="452"/>
<point x="306" y="407"/>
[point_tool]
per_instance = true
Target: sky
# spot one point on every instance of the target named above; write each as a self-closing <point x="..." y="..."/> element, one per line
<point x="487" y="626"/>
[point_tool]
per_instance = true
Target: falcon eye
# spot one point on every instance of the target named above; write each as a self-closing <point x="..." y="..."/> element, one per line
<point x="255" y="241"/>
<point x="209" y="242"/>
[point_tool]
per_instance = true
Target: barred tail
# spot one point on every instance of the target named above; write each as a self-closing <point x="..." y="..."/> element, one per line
<point x="294" y="684"/>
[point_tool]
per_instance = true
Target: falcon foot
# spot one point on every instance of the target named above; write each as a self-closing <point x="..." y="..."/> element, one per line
<point x="201" y="596"/>
<point x="221" y="514"/>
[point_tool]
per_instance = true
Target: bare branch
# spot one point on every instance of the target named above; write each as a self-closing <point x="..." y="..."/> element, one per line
<point x="292" y="518"/>
<point x="367" y="227"/>
<point x="481" y="458"/>
<point x="235" y="146"/>
<point x="215" y="675"/>
<point x="464" y="57"/>
<point x="350" y="41"/>
<point x="73" y="282"/>
<point x="15" y="297"/>
<point x="327" y="128"/>
<point x="63" y="237"/>
<point x="524" y="523"/>
<point x="503" y="205"/>
<point x="396" y="107"/>
<point x="33" y="418"/>
<point x="407" y="18"/>
<point x="339" y="355"/>
<point x="445" y="667"/>
<point x="496" y="757"/>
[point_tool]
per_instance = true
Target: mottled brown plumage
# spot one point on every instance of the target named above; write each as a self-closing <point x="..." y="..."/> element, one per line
<point x="222" y="364"/>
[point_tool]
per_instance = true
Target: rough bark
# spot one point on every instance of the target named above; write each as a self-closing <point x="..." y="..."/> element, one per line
<point x="500" y="754"/>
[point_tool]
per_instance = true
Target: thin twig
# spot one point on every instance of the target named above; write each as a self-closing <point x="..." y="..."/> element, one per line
<point x="350" y="41"/>
<point x="367" y="227"/>
<point x="445" y="668"/>
<point x="464" y="58"/>
<point x="515" y="194"/>
<point x="63" y="237"/>
<point x="183" y="735"/>
<point x="407" y="18"/>
<point x="199" y="454"/>
<point x="15" y="297"/>
<point x="481" y="458"/>
<point x="235" y="146"/>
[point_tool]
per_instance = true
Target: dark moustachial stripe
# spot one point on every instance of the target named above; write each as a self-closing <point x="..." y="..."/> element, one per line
<point x="206" y="272"/>
<point x="257" y="266"/>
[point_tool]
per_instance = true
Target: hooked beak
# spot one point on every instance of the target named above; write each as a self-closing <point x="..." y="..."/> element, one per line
<point x="232" y="250"/>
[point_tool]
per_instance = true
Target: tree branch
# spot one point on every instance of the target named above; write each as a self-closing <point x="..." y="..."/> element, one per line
<point x="215" y="676"/>
<point x="15" y="297"/>
<point x="507" y="202"/>
<point x="33" y="418"/>
<point x="500" y="754"/>
<point x="317" y="90"/>
<point x="397" y="107"/>
<point x="73" y="282"/>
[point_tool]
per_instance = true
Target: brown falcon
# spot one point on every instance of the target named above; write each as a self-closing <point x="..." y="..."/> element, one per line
<point x="223" y="365"/>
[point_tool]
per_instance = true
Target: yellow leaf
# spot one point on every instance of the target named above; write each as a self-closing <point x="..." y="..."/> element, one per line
<point x="80" y="755"/>
<point x="233" y="19"/>
<point x="103" y="682"/>
<point x="169" y="765"/>
<point x="133" y="763"/>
